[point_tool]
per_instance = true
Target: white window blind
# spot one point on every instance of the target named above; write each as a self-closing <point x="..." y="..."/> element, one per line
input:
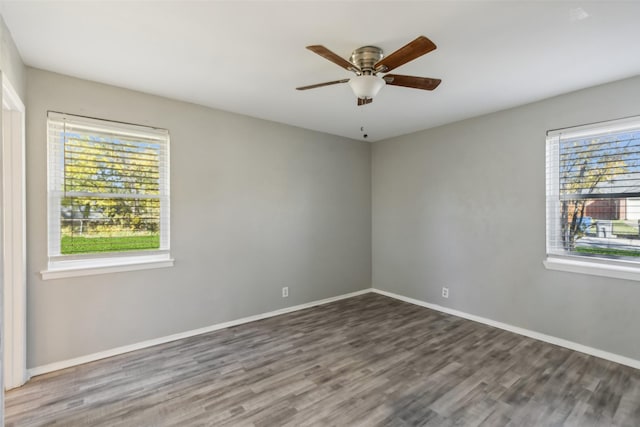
<point x="593" y="190"/>
<point x="108" y="191"/>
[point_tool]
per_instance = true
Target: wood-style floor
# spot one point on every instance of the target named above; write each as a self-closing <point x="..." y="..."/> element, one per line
<point x="368" y="360"/>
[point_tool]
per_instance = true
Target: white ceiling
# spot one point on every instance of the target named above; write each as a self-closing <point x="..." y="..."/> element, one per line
<point x="247" y="57"/>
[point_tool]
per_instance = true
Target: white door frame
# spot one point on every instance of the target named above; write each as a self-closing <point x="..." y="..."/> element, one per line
<point x="13" y="238"/>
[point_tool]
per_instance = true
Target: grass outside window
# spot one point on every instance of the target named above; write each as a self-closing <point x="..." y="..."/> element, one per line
<point x="99" y="244"/>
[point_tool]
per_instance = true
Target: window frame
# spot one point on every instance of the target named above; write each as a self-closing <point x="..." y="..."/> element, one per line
<point x="566" y="261"/>
<point x="70" y="265"/>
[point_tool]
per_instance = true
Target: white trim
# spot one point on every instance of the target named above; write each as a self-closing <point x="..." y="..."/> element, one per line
<point x="39" y="370"/>
<point x="599" y="128"/>
<point x="58" y="124"/>
<point x="631" y="272"/>
<point x="91" y="267"/>
<point x="557" y="235"/>
<point x="10" y="98"/>
<point x="623" y="360"/>
<point x="552" y="175"/>
<point x="14" y="238"/>
<point x="93" y="124"/>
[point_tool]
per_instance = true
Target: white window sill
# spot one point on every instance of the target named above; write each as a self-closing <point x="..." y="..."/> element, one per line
<point x="90" y="267"/>
<point x="617" y="270"/>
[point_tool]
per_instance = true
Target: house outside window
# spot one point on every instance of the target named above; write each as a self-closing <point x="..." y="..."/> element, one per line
<point x="108" y="196"/>
<point x="593" y="198"/>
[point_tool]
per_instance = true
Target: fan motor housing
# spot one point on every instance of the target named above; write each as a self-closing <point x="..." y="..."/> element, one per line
<point x="366" y="58"/>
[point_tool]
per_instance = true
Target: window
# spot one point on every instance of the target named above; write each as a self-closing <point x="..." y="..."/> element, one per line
<point x="108" y="196"/>
<point x="593" y="198"/>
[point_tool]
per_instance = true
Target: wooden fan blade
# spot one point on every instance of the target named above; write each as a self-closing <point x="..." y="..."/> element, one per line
<point x="336" y="59"/>
<point x="322" y="84"/>
<point x="424" y="83"/>
<point x="366" y="101"/>
<point x="407" y="53"/>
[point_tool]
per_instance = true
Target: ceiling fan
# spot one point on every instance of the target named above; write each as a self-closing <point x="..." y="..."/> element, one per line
<point x="369" y="61"/>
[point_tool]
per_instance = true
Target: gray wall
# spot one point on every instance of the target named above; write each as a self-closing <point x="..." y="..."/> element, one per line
<point x="463" y="206"/>
<point x="255" y="206"/>
<point x="258" y="205"/>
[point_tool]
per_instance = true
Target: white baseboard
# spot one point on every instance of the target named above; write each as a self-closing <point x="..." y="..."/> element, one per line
<point x="39" y="370"/>
<point x="623" y="360"/>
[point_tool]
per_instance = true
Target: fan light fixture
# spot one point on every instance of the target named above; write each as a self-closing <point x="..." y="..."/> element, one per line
<point x="367" y="61"/>
<point x="366" y="86"/>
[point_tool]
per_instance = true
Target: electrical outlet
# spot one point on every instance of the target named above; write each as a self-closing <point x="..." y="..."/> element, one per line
<point x="445" y="292"/>
<point x="285" y="292"/>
